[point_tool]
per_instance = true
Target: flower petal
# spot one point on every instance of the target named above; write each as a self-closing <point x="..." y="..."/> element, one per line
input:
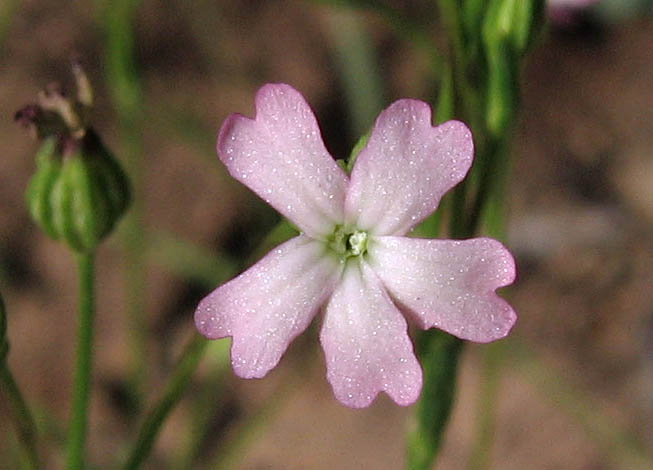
<point x="281" y="157"/>
<point x="366" y="344"/>
<point x="405" y="168"/>
<point x="268" y="305"/>
<point x="448" y="284"/>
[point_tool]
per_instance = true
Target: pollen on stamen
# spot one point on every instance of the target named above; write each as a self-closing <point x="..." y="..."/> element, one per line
<point x="357" y="242"/>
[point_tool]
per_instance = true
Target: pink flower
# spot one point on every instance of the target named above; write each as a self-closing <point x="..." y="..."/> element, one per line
<point x="353" y="260"/>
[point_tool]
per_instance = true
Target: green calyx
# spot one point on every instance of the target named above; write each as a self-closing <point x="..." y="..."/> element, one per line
<point x="347" y="243"/>
<point x="78" y="191"/>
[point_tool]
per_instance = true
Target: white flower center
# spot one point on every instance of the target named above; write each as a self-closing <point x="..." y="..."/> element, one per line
<point x="348" y="242"/>
<point x="357" y="243"/>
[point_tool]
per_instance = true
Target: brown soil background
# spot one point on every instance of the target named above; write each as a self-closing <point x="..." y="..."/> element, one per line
<point x="575" y="386"/>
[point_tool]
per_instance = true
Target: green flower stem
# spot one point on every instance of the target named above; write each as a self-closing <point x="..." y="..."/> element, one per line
<point x="490" y="171"/>
<point x="18" y="410"/>
<point x="469" y="99"/>
<point x="171" y="395"/>
<point x="206" y="404"/>
<point x="125" y="87"/>
<point x="7" y="10"/>
<point x="439" y="352"/>
<point x="188" y="260"/>
<point x="493" y="355"/>
<point x="622" y="448"/>
<point x="408" y="29"/>
<point x="20" y="415"/>
<point x="231" y="455"/>
<point x="82" y="387"/>
<point x="359" y="74"/>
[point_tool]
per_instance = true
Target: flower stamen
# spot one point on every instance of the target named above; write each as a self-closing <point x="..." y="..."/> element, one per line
<point x="357" y="243"/>
<point x="347" y="242"/>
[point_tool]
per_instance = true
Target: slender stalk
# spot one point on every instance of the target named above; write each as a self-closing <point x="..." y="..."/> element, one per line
<point x="254" y="425"/>
<point x="190" y="261"/>
<point x="20" y="415"/>
<point x="7" y="10"/>
<point x="620" y="447"/>
<point x="440" y="353"/>
<point x="413" y="32"/>
<point x="491" y="214"/>
<point x="354" y="56"/>
<point x="207" y="404"/>
<point x="490" y="171"/>
<point x="493" y="355"/>
<point x="124" y="83"/>
<point x="82" y="387"/>
<point x="171" y="395"/>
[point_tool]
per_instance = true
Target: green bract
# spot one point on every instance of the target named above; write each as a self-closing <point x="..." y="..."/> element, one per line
<point x="78" y="191"/>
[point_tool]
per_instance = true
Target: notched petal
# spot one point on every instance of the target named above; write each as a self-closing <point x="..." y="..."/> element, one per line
<point x="449" y="284"/>
<point x="268" y="305"/>
<point x="366" y="343"/>
<point x="405" y="168"/>
<point x="281" y="157"/>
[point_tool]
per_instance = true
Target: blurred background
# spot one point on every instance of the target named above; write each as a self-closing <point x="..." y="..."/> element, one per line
<point x="571" y="388"/>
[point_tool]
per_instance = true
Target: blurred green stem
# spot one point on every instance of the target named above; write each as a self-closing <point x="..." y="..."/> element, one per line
<point x="124" y="83"/>
<point x="490" y="171"/>
<point x="492" y="215"/>
<point x="82" y="387"/>
<point x="171" y="395"/>
<point x="493" y="355"/>
<point x="7" y="10"/>
<point x="408" y="29"/>
<point x="359" y="75"/>
<point x="439" y="352"/>
<point x="461" y="97"/>
<point x="189" y="261"/>
<point x="20" y="415"/>
<point x="207" y="404"/>
<point x="467" y="99"/>
<point x="231" y="454"/>
<point x="18" y="410"/>
<point x="620" y="447"/>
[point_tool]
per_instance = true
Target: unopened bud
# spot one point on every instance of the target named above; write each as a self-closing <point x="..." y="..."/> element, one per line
<point x="79" y="190"/>
<point x="512" y="23"/>
<point x="508" y="29"/>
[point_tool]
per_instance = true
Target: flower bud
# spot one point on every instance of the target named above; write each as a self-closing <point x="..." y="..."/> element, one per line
<point x="508" y="29"/>
<point x="512" y="23"/>
<point x="78" y="191"/>
<point x="502" y="91"/>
